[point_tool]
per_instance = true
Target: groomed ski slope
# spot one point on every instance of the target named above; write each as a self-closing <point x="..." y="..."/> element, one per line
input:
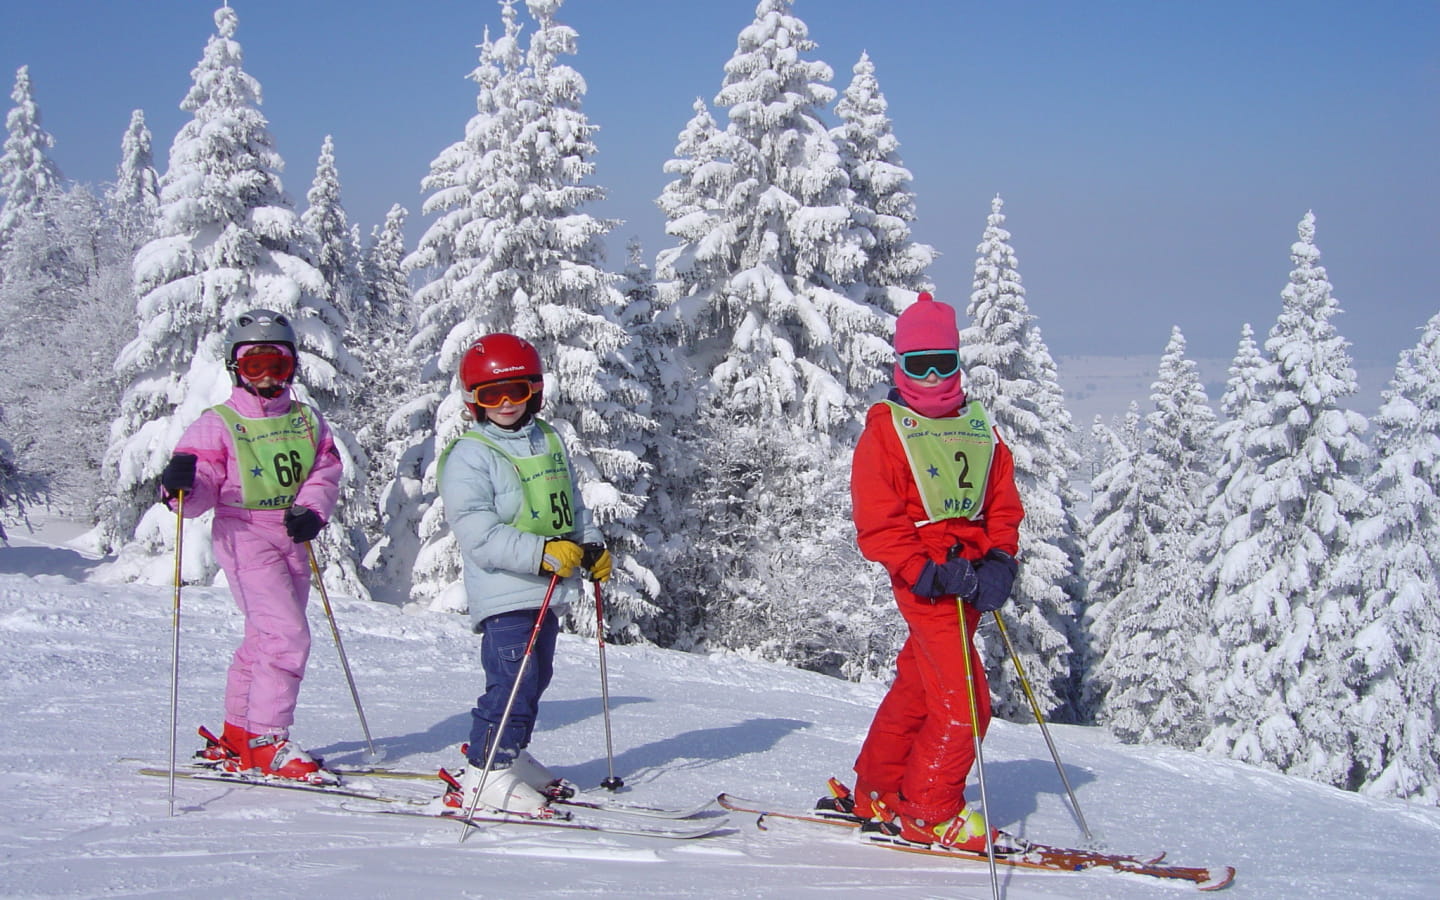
<point x="86" y="681"/>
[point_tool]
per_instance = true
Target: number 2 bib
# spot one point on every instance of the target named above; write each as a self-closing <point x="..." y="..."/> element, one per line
<point x="949" y="459"/>
<point x="274" y="454"/>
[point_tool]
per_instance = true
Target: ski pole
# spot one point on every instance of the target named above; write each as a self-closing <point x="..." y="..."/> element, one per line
<point x="373" y="756"/>
<point x="611" y="783"/>
<point x="1044" y="729"/>
<point x="175" y="640"/>
<point x="966" y="649"/>
<point x="509" y="705"/>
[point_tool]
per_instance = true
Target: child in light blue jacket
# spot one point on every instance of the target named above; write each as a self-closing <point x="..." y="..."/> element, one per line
<point x="524" y="534"/>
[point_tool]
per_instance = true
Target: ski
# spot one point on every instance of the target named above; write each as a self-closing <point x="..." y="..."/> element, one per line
<point x="207" y="773"/>
<point x="832" y="817"/>
<point x="579" y="801"/>
<point x="1032" y="856"/>
<point x="568" y="822"/>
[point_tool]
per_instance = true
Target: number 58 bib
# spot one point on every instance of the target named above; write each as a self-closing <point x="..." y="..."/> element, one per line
<point x="275" y="454"/>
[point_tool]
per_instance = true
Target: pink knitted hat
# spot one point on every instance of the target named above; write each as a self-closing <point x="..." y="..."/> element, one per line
<point x="927" y="324"/>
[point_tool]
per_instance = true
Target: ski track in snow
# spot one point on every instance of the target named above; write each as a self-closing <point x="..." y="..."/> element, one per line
<point x="86" y="682"/>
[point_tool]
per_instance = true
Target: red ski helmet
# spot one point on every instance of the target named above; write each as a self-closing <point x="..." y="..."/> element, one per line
<point x="501" y="357"/>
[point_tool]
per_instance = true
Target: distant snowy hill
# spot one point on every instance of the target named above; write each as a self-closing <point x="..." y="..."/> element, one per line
<point x="86" y="682"/>
<point x="1106" y="385"/>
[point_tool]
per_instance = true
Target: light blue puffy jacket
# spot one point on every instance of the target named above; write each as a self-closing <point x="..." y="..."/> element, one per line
<point x="482" y="496"/>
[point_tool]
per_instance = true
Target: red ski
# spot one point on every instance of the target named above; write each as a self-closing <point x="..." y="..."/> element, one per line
<point x="1030" y="856"/>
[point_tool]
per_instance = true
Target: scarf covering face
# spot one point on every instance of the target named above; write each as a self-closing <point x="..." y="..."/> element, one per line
<point x="928" y="324"/>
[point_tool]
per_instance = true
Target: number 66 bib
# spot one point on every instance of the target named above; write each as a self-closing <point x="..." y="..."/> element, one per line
<point x="274" y="454"/>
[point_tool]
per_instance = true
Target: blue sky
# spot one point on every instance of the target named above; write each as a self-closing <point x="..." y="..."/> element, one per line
<point x="1155" y="156"/>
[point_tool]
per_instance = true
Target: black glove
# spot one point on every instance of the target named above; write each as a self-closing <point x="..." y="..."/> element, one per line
<point x="996" y="574"/>
<point x="955" y="578"/>
<point x="596" y="561"/>
<point x="179" y="474"/>
<point x="302" y="524"/>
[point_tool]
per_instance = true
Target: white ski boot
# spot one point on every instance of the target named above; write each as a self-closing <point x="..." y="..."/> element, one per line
<point x="531" y="771"/>
<point x="503" y="791"/>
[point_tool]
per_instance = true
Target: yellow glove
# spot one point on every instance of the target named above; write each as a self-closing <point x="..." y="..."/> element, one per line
<point x="561" y="558"/>
<point x="600" y="566"/>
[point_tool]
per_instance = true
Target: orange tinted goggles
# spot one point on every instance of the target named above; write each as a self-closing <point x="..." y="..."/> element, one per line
<point x="498" y="393"/>
<point x="255" y="366"/>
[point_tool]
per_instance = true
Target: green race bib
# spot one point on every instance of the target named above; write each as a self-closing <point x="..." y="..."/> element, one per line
<point x="274" y="454"/>
<point x="949" y="459"/>
<point x="549" y="492"/>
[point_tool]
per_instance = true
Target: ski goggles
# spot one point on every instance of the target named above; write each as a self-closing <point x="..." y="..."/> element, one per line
<point x="919" y="364"/>
<point x="275" y="364"/>
<point x="498" y="393"/>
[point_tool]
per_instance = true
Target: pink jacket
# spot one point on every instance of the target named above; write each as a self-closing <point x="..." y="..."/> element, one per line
<point x="217" y="475"/>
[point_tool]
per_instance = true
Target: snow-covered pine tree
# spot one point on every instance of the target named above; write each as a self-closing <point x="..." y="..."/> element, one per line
<point x="135" y="196"/>
<point x="227" y="240"/>
<point x="27" y="174"/>
<point x="514" y="252"/>
<point x="325" y="218"/>
<point x="381" y="330"/>
<point x="883" y="203"/>
<point x="694" y="203"/>
<point x="65" y="309"/>
<point x="1394" y="567"/>
<point x="765" y="296"/>
<point x="464" y="183"/>
<point x="19" y="489"/>
<point x="1009" y="370"/>
<point x="331" y="239"/>
<point x="1278" y="685"/>
<point x="1112" y="540"/>
<point x="1150" y="667"/>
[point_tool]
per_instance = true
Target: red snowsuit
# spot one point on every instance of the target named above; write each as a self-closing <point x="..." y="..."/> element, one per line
<point x="920" y="743"/>
<point x="268" y="573"/>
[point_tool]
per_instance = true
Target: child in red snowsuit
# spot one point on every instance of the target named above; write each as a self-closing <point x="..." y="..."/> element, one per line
<point x="935" y="503"/>
<point x="268" y="466"/>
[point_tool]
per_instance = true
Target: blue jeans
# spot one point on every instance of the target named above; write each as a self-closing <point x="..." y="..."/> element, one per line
<point x="502" y="647"/>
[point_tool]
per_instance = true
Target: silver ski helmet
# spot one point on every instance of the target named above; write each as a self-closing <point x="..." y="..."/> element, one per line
<point x="258" y="326"/>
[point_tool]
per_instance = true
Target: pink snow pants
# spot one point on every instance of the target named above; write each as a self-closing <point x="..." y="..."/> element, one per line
<point x="269" y="577"/>
<point x="920" y="743"/>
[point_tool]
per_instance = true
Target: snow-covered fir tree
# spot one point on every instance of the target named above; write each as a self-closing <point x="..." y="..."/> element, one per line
<point x="65" y="309"/>
<point x="19" y="489"/>
<point x="135" y="196"/>
<point x="227" y="240"/>
<point x="1112" y="540"/>
<point x="883" y="202"/>
<point x="1276" y="674"/>
<point x="1394" y="567"/>
<point x="27" y="174"/>
<point x="1009" y="370"/>
<point x="462" y="186"/>
<point x="1150" y="667"/>
<point x="327" y="222"/>
<point x="765" y="297"/>
<point x="380" y="331"/>
<point x="513" y="251"/>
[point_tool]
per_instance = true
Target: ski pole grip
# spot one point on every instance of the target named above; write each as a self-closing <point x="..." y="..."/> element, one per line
<point x="590" y="554"/>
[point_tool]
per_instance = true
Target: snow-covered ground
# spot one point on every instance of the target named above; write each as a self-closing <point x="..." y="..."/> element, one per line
<point x="86" y="682"/>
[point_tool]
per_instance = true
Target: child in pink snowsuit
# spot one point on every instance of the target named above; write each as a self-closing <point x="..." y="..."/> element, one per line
<point x="268" y="466"/>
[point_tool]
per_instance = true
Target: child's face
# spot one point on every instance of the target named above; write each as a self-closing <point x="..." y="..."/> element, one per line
<point x="506" y="414"/>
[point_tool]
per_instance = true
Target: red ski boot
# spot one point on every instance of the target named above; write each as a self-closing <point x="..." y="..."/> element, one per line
<point x="225" y="747"/>
<point x="276" y="756"/>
